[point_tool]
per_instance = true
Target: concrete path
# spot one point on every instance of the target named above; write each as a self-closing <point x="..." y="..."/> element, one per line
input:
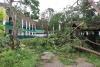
<point x="54" y="64"/>
<point x="50" y="60"/>
<point x="80" y="62"/>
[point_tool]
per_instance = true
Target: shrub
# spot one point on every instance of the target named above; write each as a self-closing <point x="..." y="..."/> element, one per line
<point x="18" y="58"/>
<point x="39" y="44"/>
<point x="4" y="43"/>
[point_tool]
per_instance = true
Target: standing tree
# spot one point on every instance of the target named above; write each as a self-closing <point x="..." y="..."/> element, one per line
<point x="87" y="11"/>
<point x="50" y="12"/>
<point x="54" y="22"/>
<point x="29" y="7"/>
<point x="34" y="7"/>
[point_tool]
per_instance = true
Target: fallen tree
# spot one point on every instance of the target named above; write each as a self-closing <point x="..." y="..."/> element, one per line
<point x="87" y="49"/>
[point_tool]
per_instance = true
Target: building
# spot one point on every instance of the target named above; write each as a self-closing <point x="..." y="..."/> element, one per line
<point x="22" y="25"/>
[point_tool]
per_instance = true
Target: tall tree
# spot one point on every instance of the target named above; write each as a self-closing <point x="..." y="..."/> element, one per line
<point x="50" y="12"/>
<point x="29" y="8"/>
<point x="34" y="6"/>
<point x="87" y="11"/>
<point x="54" y="22"/>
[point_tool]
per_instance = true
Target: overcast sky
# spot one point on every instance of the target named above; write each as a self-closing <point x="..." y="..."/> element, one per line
<point x="57" y="5"/>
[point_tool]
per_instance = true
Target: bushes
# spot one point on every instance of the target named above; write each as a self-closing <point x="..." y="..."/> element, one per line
<point x="4" y="43"/>
<point x="58" y="44"/>
<point x="55" y="43"/>
<point x="18" y="58"/>
<point x="91" y="58"/>
<point x="39" y="44"/>
<point x="52" y="43"/>
<point x="34" y="41"/>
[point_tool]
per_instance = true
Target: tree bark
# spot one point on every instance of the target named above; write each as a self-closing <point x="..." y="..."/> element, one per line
<point x="88" y="50"/>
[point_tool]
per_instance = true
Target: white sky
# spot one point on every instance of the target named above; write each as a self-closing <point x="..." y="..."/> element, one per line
<point x="57" y="5"/>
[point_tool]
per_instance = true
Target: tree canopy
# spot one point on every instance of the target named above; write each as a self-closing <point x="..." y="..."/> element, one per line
<point x="30" y="8"/>
<point x="55" y="21"/>
<point x="2" y="13"/>
<point x="34" y="6"/>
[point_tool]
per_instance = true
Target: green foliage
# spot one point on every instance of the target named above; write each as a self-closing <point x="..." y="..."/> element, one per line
<point x="39" y="44"/>
<point x="4" y="42"/>
<point x="70" y="58"/>
<point x="34" y="41"/>
<point x="2" y="30"/>
<point x="87" y="11"/>
<point x="18" y="58"/>
<point x="96" y="18"/>
<point x="91" y="58"/>
<point x="61" y="46"/>
<point x="2" y="13"/>
<point x="55" y="21"/>
<point x="3" y="39"/>
<point x="55" y="43"/>
<point x="34" y="6"/>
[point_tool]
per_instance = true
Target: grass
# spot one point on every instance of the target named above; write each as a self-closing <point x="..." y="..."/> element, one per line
<point x="27" y="57"/>
<point x="70" y="58"/>
<point x="92" y="58"/>
<point x="18" y="58"/>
